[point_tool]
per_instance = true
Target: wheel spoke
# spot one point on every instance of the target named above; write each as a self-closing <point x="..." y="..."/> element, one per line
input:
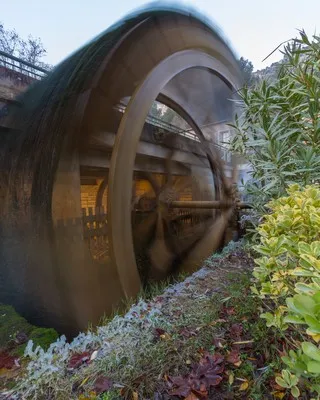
<point x="209" y="243"/>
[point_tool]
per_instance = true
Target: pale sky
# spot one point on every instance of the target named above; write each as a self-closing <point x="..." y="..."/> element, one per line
<point x="253" y="27"/>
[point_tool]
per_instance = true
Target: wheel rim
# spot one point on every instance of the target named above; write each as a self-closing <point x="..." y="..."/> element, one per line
<point x="127" y="139"/>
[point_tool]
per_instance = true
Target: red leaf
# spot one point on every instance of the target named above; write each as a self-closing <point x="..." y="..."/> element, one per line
<point x="203" y="375"/>
<point x="236" y="330"/>
<point x="21" y="338"/>
<point x="217" y="358"/>
<point x="76" y="360"/>
<point x="217" y="342"/>
<point x="158" y="332"/>
<point x="102" y="384"/>
<point x="187" y="333"/>
<point x="233" y="357"/>
<point x="228" y="311"/>
<point x="7" y="361"/>
<point x="182" y="390"/>
<point x="212" y="380"/>
<point x="192" y="396"/>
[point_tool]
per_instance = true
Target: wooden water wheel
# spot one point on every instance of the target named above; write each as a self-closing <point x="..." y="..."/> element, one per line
<point x="101" y="195"/>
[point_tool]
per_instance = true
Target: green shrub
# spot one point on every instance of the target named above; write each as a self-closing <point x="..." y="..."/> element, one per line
<point x="278" y="129"/>
<point x="288" y="277"/>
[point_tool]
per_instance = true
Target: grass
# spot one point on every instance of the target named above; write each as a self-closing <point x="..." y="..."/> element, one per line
<point x="147" y="293"/>
<point x="146" y="350"/>
<point x="143" y="371"/>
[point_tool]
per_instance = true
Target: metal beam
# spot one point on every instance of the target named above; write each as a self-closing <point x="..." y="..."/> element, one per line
<point x="182" y="154"/>
<point x="145" y="164"/>
<point x="215" y="205"/>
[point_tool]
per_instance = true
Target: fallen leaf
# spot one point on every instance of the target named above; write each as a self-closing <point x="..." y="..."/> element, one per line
<point x="233" y="357"/>
<point x="236" y="330"/>
<point x="244" y="342"/>
<point x="278" y="395"/>
<point x="21" y="338"/>
<point x="231" y="378"/>
<point x="228" y="310"/>
<point x="274" y="385"/>
<point x="91" y="396"/>
<point x="217" y="321"/>
<point x="212" y="379"/>
<point x="76" y="360"/>
<point x="8" y="373"/>
<point x="217" y="342"/>
<point x="7" y="361"/>
<point x="159" y="331"/>
<point x="244" y="386"/>
<point x="191" y="396"/>
<point x="85" y="380"/>
<point x="94" y="355"/>
<point x="102" y="384"/>
<point x="135" y="396"/>
<point x="205" y="374"/>
<point x="187" y="333"/>
<point x="203" y="388"/>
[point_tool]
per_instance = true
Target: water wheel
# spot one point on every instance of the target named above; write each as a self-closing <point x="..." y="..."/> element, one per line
<point x="100" y="192"/>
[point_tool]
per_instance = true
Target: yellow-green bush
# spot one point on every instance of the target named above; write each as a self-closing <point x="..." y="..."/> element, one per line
<point x="288" y="276"/>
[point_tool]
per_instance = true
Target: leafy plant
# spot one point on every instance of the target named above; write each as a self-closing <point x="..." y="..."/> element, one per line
<point x="288" y="277"/>
<point x="289" y="381"/>
<point x="278" y="130"/>
<point x="202" y="376"/>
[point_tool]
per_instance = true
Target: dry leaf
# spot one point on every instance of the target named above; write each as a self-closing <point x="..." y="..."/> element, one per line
<point x="234" y="357"/>
<point x="244" y="342"/>
<point x="102" y="384"/>
<point x="135" y="396"/>
<point x="84" y="381"/>
<point x="191" y="396"/>
<point x="231" y="378"/>
<point x="244" y="386"/>
<point x="91" y="396"/>
<point x="76" y="360"/>
<point x="278" y="395"/>
<point x="94" y="355"/>
<point x="6" y="373"/>
<point x="7" y="361"/>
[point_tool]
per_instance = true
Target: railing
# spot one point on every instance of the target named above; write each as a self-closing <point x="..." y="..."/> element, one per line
<point x="155" y="121"/>
<point x="188" y="133"/>
<point x="27" y="72"/>
<point x="25" y="68"/>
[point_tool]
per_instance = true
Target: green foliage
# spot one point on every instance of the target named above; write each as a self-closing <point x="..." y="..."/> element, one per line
<point x="43" y="337"/>
<point x="289" y="381"/>
<point x="288" y="277"/>
<point x="11" y="323"/>
<point x="278" y="131"/>
<point x="246" y="67"/>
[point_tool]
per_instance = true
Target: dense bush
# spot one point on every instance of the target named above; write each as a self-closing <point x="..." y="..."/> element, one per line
<point x="278" y="130"/>
<point x="288" y="277"/>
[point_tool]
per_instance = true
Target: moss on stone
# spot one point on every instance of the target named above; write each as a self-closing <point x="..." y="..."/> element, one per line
<point x="43" y="337"/>
<point x="11" y="323"/>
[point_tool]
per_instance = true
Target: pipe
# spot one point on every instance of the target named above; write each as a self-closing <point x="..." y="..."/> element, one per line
<point x="207" y="204"/>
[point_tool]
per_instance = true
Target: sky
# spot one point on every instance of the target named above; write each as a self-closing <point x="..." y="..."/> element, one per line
<point x="253" y="27"/>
